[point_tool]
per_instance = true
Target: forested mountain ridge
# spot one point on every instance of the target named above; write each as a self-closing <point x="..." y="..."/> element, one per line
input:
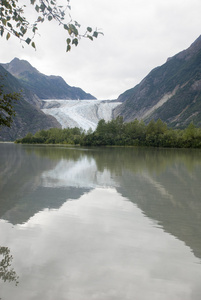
<point x="45" y="87"/>
<point x="29" y="118"/>
<point x="171" y="92"/>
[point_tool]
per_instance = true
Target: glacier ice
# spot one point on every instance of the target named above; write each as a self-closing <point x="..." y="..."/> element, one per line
<point x="80" y="113"/>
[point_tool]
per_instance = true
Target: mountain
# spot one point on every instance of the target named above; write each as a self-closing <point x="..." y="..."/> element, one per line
<point x="29" y="118"/>
<point x="171" y="92"/>
<point x="45" y="87"/>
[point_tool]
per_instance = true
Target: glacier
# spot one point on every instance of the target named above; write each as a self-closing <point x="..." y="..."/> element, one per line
<point x="84" y="114"/>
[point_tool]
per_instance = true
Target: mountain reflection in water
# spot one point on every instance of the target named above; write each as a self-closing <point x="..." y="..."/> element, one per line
<point x="166" y="182"/>
<point x="118" y="219"/>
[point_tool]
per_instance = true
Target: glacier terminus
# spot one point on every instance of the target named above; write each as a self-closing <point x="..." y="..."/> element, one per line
<point x="80" y="113"/>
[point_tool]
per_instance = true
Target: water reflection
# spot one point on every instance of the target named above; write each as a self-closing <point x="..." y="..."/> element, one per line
<point x="99" y="247"/>
<point x="164" y="183"/>
<point x="116" y="159"/>
<point x="82" y="173"/>
<point x="81" y="228"/>
<point x="22" y="184"/>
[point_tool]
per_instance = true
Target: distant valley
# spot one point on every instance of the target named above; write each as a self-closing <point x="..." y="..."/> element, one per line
<point x="171" y="92"/>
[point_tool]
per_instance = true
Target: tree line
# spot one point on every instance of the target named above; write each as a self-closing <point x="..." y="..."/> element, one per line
<point x="118" y="133"/>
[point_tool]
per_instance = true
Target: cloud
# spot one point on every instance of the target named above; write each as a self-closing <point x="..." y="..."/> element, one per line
<point x="138" y="36"/>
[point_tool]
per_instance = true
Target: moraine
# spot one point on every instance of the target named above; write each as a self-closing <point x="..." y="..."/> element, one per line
<point x="80" y="113"/>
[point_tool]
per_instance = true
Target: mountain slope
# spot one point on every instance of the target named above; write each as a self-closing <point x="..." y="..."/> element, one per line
<point x="45" y="87"/>
<point x="29" y="118"/>
<point x="171" y="92"/>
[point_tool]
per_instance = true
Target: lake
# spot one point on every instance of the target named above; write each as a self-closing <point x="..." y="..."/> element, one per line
<point x="100" y="223"/>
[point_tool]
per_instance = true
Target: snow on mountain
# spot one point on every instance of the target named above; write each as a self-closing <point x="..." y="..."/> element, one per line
<point x="80" y="113"/>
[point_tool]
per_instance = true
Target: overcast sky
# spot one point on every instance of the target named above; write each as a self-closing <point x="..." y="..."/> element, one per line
<point x="139" y="35"/>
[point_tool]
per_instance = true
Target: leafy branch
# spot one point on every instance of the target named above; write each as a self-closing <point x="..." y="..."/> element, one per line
<point x="6" y="272"/>
<point x="14" y="22"/>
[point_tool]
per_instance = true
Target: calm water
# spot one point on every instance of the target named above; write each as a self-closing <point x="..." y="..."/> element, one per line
<point x="103" y="224"/>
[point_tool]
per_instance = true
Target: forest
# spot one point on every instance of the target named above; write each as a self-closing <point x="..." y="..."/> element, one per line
<point x="118" y="133"/>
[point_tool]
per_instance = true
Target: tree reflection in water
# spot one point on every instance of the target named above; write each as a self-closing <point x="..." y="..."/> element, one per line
<point x="6" y="272"/>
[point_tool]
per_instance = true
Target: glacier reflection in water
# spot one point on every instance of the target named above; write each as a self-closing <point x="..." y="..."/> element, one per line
<point x="81" y="173"/>
<point x="80" y="113"/>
